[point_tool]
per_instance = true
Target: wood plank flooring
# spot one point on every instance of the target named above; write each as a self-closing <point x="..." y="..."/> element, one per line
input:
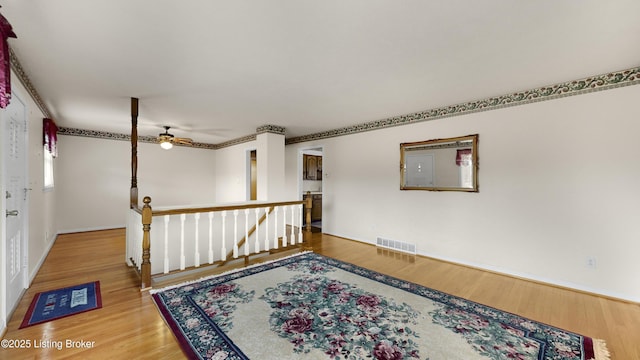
<point x="129" y="326"/>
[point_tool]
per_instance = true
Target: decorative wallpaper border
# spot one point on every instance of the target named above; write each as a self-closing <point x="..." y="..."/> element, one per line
<point x="591" y="84"/>
<point x="124" y="137"/>
<point x="274" y="129"/>
<point x="236" y="141"/>
<point x="570" y="88"/>
<point x="153" y="140"/>
<point x="149" y="139"/>
<point x="24" y="79"/>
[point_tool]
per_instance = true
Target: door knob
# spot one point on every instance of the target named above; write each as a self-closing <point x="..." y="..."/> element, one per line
<point x="12" y="212"/>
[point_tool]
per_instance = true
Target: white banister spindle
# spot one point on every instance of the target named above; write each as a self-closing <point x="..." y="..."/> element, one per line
<point x="293" y="223"/>
<point x="300" y="224"/>
<point x="266" y="236"/>
<point x="246" y="232"/>
<point x="211" y="237"/>
<point x="275" y="232"/>
<point x="196" y="254"/>
<point x="138" y="246"/>
<point x="166" y="243"/>
<point x="235" y="234"/>
<point x="183" y="217"/>
<point x="223" y="247"/>
<point x="284" y="226"/>
<point x="257" y="230"/>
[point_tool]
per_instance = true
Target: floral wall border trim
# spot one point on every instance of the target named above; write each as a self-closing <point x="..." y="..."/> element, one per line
<point x="607" y="81"/>
<point x="26" y="82"/>
<point x="591" y="84"/>
<point x="124" y="137"/>
<point x="148" y="139"/>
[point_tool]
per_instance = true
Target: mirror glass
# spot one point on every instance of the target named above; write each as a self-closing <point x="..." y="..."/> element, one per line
<point x="440" y="164"/>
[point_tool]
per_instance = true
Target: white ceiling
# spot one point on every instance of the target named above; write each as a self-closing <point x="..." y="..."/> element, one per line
<point x="223" y="68"/>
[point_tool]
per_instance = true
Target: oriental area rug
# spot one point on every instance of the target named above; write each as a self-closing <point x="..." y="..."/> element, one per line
<point x="311" y="307"/>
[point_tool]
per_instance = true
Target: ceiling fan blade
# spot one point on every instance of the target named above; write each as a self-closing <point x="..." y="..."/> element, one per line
<point x="184" y="141"/>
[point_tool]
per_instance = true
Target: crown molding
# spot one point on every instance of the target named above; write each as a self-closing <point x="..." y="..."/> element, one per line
<point x="577" y="87"/>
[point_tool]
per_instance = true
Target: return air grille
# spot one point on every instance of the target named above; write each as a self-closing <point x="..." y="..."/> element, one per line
<point x="396" y="245"/>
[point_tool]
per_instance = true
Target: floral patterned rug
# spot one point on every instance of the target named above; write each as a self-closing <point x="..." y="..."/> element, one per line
<point x="312" y="307"/>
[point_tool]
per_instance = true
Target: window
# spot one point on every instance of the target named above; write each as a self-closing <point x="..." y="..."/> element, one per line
<point x="48" y="169"/>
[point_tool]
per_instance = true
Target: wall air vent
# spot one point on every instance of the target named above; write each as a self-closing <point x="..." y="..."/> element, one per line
<point x="406" y="247"/>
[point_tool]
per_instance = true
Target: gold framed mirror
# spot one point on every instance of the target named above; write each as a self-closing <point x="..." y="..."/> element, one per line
<point x="440" y="165"/>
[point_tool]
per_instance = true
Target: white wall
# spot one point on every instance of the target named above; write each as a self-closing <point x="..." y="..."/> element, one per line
<point x="558" y="184"/>
<point x="231" y="172"/>
<point x="94" y="177"/>
<point x="42" y="203"/>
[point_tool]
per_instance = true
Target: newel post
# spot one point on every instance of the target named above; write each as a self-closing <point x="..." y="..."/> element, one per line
<point x="308" y="211"/>
<point x="145" y="271"/>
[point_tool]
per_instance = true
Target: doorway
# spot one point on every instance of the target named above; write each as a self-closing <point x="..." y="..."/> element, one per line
<point x="14" y="192"/>
<point x="312" y="178"/>
<point x="253" y="175"/>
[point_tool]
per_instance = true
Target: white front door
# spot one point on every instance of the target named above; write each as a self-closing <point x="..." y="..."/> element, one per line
<point x="15" y="194"/>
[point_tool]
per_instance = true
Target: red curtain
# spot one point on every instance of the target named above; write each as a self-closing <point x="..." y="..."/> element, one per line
<point x="460" y="155"/>
<point x="5" y="66"/>
<point x="50" y="131"/>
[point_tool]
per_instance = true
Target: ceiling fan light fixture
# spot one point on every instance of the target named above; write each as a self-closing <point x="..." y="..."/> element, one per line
<point x="167" y="140"/>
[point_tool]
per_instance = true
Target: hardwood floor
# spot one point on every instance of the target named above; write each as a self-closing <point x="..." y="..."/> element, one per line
<point x="129" y="326"/>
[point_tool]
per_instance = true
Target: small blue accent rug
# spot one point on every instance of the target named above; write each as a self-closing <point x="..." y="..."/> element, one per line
<point x="313" y="307"/>
<point x="56" y="304"/>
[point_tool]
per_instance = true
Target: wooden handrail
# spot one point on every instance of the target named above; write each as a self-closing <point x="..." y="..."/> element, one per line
<point x="224" y="208"/>
<point x="179" y="211"/>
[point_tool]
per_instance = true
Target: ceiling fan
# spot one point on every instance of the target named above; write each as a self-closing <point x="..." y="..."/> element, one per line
<point x="167" y="140"/>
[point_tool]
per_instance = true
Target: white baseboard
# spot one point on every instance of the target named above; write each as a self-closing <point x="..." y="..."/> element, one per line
<point x="36" y="268"/>
<point x="534" y="278"/>
<point x="97" y="228"/>
<point x="515" y="274"/>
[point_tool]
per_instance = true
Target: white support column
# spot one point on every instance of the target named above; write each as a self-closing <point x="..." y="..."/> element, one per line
<point x="183" y="217"/>
<point x="223" y="247"/>
<point x="211" y="237"/>
<point x="196" y="254"/>
<point x="166" y="243"/>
